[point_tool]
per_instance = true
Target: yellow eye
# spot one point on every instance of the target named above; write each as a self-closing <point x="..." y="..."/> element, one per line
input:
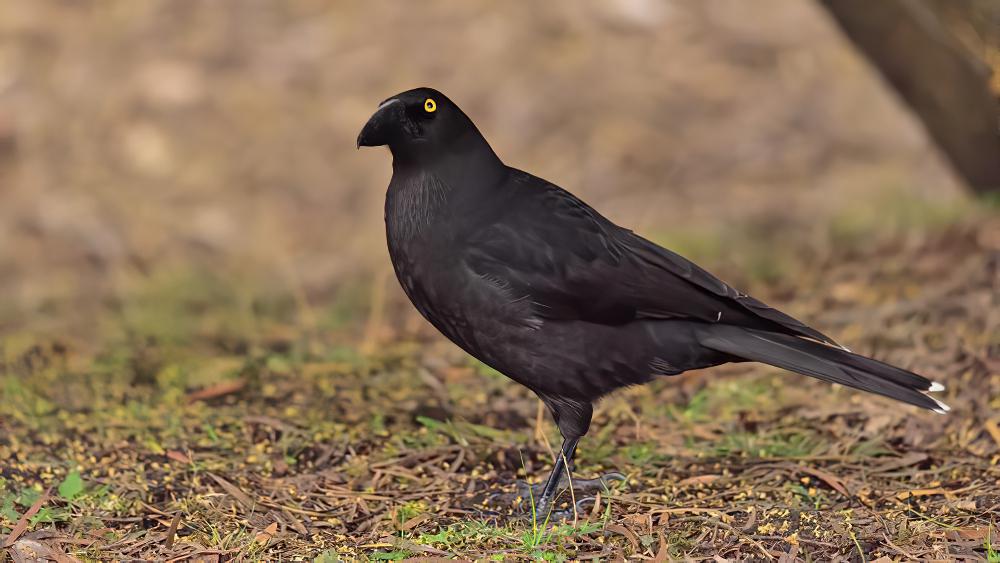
<point x="430" y="106"/>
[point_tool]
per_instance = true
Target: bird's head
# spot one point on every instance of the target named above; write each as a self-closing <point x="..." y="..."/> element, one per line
<point x="419" y="124"/>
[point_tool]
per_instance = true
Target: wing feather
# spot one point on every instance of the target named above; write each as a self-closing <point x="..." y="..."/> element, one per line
<point x="574" y="264"/>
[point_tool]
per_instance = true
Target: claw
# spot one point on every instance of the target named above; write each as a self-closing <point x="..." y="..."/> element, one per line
<point x="543" y="510"/>
<point x="586" y="487"/>
<point x="614" y="476"/>
<point x="581" y="505"/>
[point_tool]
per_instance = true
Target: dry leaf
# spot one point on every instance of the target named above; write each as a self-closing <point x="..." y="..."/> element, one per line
<point x="414" y="522"/>
<point x="993" y="429"/>
<point x="267" y="533"/>
<point x="698" y="480"/>
<point x="233" y="491"/>
<point x="830" y="479"/>
<point x="922" y="493"/>
<point x="907" y="460"/>
<point x="629" y="535"/>
<point x="973" y="533"/>
<point x="28" y="550"/>
<point x="663" y="552"/>
<point x="172" y="530"/>
<point x="22" y="523"/>
<point x="217" y="390"/>
<point x="409" y="545"/>
<point x="967" y="505"/>
<point x="178" y="456"/>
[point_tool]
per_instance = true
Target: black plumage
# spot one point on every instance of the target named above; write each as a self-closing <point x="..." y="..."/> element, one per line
<point x="535" y="283"/>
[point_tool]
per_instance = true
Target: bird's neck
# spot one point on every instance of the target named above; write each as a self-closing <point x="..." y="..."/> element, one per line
<point x="421" y="196"/>
<point x="414" y="202"/>
<point x="429" y="179"/>
<point x="462" y="157"/>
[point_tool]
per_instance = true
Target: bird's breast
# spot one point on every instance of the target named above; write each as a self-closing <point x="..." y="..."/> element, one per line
<point x="415" y="203"/>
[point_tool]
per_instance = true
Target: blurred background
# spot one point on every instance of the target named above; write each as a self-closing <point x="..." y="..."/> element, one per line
<point x="184" y="145"/>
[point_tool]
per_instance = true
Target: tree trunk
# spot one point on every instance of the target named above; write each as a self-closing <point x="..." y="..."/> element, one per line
<point x="941" y="81"/>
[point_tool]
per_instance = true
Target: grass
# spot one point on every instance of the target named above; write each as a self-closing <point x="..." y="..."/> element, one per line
<point x="783" y="443"/>
<point x="992" y="555"/>
<point x="263" y="436"/>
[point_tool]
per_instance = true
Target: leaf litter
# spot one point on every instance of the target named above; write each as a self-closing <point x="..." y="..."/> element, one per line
<point x="298" y="449"/>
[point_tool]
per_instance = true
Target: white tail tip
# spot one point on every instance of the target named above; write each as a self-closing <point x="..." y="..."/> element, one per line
<point x="942" y="408"/>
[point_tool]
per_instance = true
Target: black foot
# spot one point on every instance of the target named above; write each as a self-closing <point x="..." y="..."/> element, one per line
<point x="583" y="490"/>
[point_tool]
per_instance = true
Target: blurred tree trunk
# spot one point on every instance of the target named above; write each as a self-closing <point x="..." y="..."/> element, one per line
<point x="941" y="80"/>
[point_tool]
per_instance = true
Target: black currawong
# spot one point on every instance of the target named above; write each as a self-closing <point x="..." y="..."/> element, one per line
<point x="535" y="283"/>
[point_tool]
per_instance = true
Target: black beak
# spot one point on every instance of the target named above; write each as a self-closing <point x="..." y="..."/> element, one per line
<point x="382" y="124"/>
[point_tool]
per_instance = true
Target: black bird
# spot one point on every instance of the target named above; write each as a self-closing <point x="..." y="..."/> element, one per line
<point x="538" y="285"/>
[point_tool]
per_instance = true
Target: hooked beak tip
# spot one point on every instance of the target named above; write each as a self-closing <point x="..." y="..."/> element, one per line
<point x="366" y="141"/>
<point x="375" y="131"/>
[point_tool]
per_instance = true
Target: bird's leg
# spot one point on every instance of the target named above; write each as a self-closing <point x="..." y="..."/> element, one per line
<point x="564" y="457"/>
<point x="561" y="476"/>
<point x="573" y="419"/>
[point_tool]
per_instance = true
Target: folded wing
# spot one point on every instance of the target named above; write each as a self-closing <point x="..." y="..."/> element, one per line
<point x="574" y="264"/>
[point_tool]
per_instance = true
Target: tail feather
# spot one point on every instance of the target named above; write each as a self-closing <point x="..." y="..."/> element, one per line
<point x="823" y="362"/>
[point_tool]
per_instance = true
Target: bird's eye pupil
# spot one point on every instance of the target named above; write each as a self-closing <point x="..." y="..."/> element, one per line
<point x="430" y="105"/>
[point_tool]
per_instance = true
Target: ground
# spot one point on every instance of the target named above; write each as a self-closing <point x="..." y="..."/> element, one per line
<point x="205" y="428"/>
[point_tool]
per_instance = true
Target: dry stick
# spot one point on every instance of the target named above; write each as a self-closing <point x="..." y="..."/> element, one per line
<point x="194" y="556"/>
<point x="572" y="493"/>
<point x="172" y="531"/>
<point x="993" y="429"/>
<point x="738" y="532"/>
<point x="22" y="523"/>
<point x="800" y="540"/>
<point x="540" y="432"/>
<point x="638" y="423"/>
<point x="152" y="508"/>
<point x="457" y="462"/>
<point x="898" y="549"/>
